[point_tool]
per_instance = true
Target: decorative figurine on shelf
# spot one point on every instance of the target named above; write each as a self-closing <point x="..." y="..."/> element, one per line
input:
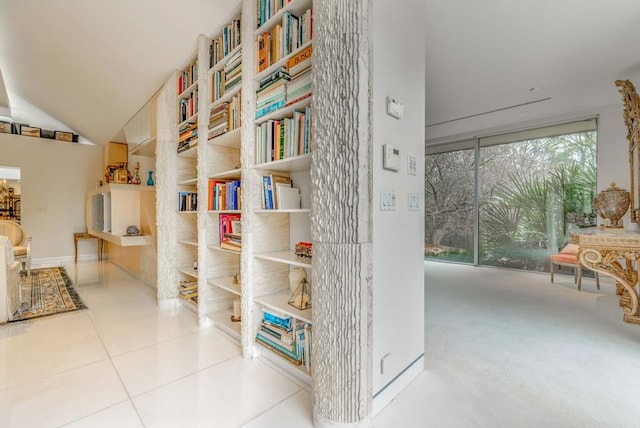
<point x="235" y="279"/>
<point x="136" y="177"/>
<point x="301" y="296"/>
<point x="236" y="316"/>
<point x="150" y="179"/>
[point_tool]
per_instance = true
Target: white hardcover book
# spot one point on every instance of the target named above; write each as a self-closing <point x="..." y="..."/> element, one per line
<point x="288" y="197"/>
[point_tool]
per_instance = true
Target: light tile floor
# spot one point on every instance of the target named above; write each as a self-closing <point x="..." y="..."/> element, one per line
<point x="125" y="362"/>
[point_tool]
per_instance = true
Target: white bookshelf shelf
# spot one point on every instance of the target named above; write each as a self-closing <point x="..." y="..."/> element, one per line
<point x="188" y="242"/>
<point x="286" y="257"/>
<point x="191" y="152"/>
<point x="279" y="302"/>
<point x="222" y="320"/>
<point x="187" y="212"/>
<point x="299" y="372"/>
<point x="224" y="212"/>
<point x="226" y="283"/>
<point x="226" y="97"/>
<point x="223" y="250"/>
<point x="228" y="175"/>
<point x="146" y="148"/>
<point x="189" y="271"/>
<point x="293" y="164"/>
<point x="220" y="64"/>
<point x="189" y="182"/>
<point x="291" y="211"/>
<point x="188" y="91"/>
<point x="229" y="139"/>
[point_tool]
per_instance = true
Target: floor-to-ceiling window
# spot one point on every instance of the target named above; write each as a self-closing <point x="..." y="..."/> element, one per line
<point x="450" y="202"/>
<point x="535" y="188"/>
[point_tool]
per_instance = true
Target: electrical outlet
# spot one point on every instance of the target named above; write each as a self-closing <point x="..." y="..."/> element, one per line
<point x="388" y="200"/>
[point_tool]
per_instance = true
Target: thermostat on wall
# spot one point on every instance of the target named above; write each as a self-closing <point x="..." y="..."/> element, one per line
<point x="390" y="157"/>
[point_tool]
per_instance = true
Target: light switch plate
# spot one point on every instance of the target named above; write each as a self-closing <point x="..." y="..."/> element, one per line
<point x="388" y="200"/>
<point x="414" y="201"/>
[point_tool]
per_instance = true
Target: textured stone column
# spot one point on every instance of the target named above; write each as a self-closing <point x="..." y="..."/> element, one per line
<point x="166" y="198"/>
<point x="341" y="221"/>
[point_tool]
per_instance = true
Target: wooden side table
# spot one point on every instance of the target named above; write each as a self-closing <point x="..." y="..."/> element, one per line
<point x="85" y="235"/>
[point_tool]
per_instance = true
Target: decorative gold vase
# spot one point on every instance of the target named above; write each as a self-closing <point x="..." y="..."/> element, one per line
<point x="612" y="204"/>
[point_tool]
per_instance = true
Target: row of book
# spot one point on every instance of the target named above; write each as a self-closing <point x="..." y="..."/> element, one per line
<point x="284" y="138"/>
<point x="225" y="43"/>
<point x="230" y="231"/>
<point x="280" y="90"/>
<point x="225" y="117"/>
<point x="268" y="8"/>
<point x="187" y="201"/>
<point x="287" y="337"/>
<point x="225" y="195"/>
<point x="279" y="193"/>
<point x="188" y="76"/>
<point x="187" y="136"/>
<point x="227" y="79"/>
<point x="188" y="106"/>
<point x="188" y="290"/>
<point x="283" y="39"/>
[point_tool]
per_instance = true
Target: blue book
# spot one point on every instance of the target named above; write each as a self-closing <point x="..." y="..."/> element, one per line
<point x="270" y="108"/>
<point x="274" y="319"/>
<point x="293" y="355"/>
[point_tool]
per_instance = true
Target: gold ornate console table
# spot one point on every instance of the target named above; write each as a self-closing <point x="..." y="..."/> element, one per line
<point x="615" y="254"/>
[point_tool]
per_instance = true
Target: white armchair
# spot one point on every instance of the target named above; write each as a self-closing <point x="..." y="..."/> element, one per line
<point x="20" y="241"/>
<point x="10" y="292"/>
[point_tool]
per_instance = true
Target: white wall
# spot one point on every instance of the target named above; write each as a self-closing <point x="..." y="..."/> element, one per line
<point x="56" y="177"/>
<point x="398" y="268"/>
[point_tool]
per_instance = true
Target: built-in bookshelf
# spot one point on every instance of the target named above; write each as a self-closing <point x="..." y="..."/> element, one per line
<point x="282" y="165"/>
<point x="247" y="163"/>
<point x="223" y="174"/>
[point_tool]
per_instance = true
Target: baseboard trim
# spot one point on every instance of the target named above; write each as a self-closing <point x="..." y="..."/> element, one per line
<point x="62" y="260"/>
<point x="391" y="390"/>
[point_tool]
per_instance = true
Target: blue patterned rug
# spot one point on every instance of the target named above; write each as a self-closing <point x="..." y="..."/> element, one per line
<point x="47" y="291"/>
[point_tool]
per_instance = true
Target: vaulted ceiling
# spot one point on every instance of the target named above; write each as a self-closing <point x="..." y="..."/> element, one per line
<point x="92" y="65"/>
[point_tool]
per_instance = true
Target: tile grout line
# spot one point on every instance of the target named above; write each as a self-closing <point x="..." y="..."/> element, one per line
<point x="275" y="405"/>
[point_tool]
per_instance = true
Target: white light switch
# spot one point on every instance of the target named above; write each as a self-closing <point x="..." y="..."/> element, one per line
<point x="388" y="200"/>
<point x="414" y="201"/>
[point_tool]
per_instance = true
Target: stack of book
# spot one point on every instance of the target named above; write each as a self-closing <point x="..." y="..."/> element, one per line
<point x="188" y="106"/>
<point x="188" y="77"/>
<point x="225" y="195"/>
<point x="225" y="43"/>
<point x="188" y="136"/>
<point x="230" y="232"/>
<point x="271" y="94"/>
<point x="284" y="138"/>
<point x="233" y="71"/>
<point x="286" y="337"/>
<point x="187" y="201"/>
<point x="218" y="120"/>
<point x="225" y="80"/>
<point x="188" y="290"/>
<point x="299" y="88"/>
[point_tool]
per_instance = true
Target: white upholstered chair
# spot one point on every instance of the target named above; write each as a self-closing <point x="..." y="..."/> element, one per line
<point x="20" y="241"/>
